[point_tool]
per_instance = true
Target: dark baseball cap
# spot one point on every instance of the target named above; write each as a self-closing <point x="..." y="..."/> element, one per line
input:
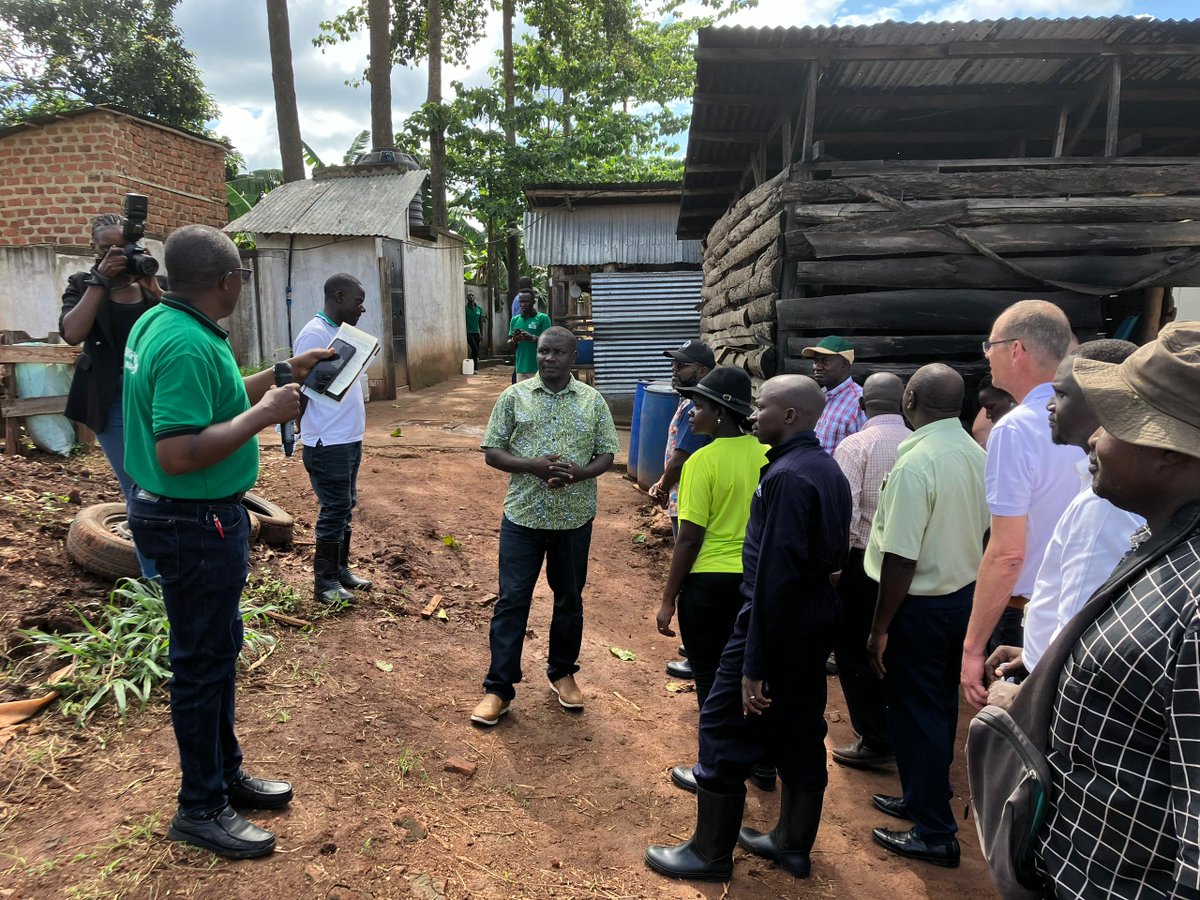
<point x="694" y="351"/>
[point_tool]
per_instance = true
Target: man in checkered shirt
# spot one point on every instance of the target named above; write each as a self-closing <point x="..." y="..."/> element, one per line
<point x="1124" y="750"/>
<point x="843" y="414"/>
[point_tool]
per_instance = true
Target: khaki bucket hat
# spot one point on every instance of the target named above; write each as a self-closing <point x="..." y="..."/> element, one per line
<point x="1153" y="398"/>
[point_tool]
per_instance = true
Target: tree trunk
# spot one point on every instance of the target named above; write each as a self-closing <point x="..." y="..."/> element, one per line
<point x="379" y="19"/>
<point x="287" y="117"/>
<point x="437" y="132"/>
<point x="512" y="240"/>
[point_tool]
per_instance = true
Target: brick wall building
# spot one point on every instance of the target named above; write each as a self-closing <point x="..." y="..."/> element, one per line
<point x="59" y="172"/>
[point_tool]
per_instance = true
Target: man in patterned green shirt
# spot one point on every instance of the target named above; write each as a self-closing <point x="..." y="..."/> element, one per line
<point x="555" y="436"/>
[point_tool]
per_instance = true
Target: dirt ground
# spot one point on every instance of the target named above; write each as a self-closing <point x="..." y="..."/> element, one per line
<point x="364" y="710"/>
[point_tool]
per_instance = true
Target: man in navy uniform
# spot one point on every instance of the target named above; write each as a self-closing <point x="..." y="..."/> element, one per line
<point x="768" y="701"/>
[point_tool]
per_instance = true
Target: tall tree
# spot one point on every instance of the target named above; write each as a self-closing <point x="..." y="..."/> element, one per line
<point x="287" y="116"/>
<point x="60" y="55"/>
<point x="380" y="25"/>
<point x="512" y="241"/>
<point x="437" y="123"/>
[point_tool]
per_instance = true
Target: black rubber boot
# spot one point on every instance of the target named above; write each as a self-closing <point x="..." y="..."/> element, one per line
<point x="346" y="578"/>
<point x="791" y="840"/>
<point x="708" y="854"/>
<point x="762" y="776"/>
<point x="325" y="567"/>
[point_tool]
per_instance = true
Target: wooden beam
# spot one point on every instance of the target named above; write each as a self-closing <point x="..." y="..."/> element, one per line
<point x="1060" y="131"/>
<point x="1108" y="273"/>
<point x="710" y="168"/>
<point x="1012" y="238"/>
<point x="1014" y="49"/>
<point x="929" y="346"/>
<point x="718" y="98"/>
<point x="923" y="311"/>
<point x="1089" y="110"/>
<point x="788" y="137"/>
<point x="1029" y="182"/>
<point x="861" y="217"/>
<point x="810" y="111"/>
<point x="725" y="137"/>
<point x="54" y="353"/>
<point x="929" y="136"/>
<point x="1112" y="116"/>
<point x="34" y="406"/>
<point x="932" y="100"/>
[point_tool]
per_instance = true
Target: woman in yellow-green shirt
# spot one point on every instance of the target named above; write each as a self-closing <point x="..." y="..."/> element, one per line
<point x="715" y="490"/>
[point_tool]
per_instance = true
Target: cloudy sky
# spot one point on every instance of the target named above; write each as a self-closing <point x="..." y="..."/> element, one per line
<point x="229" y="38"/>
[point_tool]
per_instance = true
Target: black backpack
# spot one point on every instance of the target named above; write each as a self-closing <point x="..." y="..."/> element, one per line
<point x="1010" y="779"/>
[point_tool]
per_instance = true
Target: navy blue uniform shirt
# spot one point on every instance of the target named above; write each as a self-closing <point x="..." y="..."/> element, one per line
<point x="798" y="535"/>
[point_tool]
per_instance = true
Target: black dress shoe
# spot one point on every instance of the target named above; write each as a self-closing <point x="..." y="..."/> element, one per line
<point x="906" y="843"/>
<point x="248" y="792"/>
<point x="680" y="668"/>
<point x="226" y="834"/>
<point x="858" y="755"/>
<point x="893" y="806"/>
<point x="682" y="777"/>
<point x="682" y="651"/>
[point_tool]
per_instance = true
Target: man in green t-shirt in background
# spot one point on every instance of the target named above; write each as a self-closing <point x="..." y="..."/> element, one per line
<point x="191" y="422"/>
<point x="523" y="333"/>
<point x="475" y="320"/>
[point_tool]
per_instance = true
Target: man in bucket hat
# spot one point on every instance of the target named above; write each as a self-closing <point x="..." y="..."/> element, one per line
<point x="1124" y="747"/>
<point x="843" y="413"/>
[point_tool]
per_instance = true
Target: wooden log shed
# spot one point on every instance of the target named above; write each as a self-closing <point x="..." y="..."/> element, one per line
<point x="901" y="184"/>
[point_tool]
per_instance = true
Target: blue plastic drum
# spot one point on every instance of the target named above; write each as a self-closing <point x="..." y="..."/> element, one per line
<point x="658" y="408"/>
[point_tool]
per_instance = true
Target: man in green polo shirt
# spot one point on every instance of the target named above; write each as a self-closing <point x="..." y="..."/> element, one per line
<point x="191" y="422"/>
<point x="555" y="435"/>
<point x="523" y="332"/>
<point x="924" y="550"/>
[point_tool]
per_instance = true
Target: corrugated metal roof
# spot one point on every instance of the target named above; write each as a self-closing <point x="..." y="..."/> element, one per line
<point x="350" y="206"/>
<point x="762" y="80"/>
<point x="635" y="317"/>
<point x="628" y="234"/>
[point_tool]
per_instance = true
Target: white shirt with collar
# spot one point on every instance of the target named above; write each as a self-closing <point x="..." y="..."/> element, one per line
<point x="326" y="421"/>
<point x="1029" y="475"/>
<point x="1089" y="540"/>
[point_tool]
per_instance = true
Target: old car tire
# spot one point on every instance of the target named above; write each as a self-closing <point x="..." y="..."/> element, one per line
<point x="276" y="524"/>
<point x="100" y="542"/>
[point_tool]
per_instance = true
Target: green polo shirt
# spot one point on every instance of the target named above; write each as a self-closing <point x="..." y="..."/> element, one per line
<point x="575" y="423"/>
<point x="932" y="509"/>
<point x="181" y="377"/>
<point x="474" y="314"/>
<point x="526" y="360"/>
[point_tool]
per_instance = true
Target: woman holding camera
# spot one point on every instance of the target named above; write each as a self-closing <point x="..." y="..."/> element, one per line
<point x="98" y="310"/>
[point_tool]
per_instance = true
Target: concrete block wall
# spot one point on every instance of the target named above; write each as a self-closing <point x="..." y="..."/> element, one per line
<point x="56" y="177"/>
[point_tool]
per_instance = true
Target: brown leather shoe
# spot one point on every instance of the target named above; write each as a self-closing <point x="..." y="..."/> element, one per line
<point x="569" y="694"/>
<point x="489" y="710"/>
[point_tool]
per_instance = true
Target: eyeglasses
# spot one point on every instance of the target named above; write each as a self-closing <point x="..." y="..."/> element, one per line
<point x="244" y="274"/>
<point x="988" y="345"/>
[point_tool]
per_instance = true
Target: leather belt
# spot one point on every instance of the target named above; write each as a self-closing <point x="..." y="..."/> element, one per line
<point x="231" y="500"/>
<point x="1017" y="602"/>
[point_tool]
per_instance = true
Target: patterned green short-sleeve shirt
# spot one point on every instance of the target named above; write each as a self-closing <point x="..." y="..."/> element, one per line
<point x="529" y="421"/>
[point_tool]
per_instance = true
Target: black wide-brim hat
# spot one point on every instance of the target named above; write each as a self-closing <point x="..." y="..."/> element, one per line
<point x="726" y="386"/>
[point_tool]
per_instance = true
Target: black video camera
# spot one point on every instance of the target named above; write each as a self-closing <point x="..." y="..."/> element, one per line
<point x="138" y="262"/>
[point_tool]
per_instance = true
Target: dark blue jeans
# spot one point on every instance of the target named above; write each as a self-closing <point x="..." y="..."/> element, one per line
<point x="522" y="551"/>
<point x="202" y="576"/>
<point x="708" y="607"/>
<point x="333" y="471"/>
<point x="924" y="660"/>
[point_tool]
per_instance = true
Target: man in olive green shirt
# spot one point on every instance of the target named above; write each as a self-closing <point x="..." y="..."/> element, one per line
<point x="924" y="550"/>
<point x="555" y="435"/>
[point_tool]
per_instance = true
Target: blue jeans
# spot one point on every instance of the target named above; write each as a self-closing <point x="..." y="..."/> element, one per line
<point x="333" y="471"/>
<point x="112" y="442"/>
<point x="522" y="551"/>
<point x="202" y="576"/>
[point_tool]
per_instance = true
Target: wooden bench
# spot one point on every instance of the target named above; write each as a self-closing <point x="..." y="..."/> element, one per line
<point x="14" y="409"/>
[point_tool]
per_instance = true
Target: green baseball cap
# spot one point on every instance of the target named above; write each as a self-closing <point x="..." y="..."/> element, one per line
<point x="831" y="346"/>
